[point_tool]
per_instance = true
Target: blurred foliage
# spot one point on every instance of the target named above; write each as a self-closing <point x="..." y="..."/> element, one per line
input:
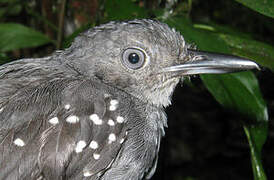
<point x="265" y="7"/>
<point x="124" y="9"/>
<point x="16" y="36"/>
<point x="30" y="28"/>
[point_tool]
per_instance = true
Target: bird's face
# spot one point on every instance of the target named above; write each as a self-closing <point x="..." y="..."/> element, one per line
<point x="147" y="59"/>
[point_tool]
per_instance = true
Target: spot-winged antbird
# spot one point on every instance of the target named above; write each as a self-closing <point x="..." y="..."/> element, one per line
<point x="96" y="110"/>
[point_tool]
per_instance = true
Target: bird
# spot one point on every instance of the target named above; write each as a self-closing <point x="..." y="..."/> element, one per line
<point x="95" y="111"/>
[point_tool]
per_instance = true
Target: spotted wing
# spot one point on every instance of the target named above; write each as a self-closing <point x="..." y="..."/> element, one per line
<point x="61" y="130"/>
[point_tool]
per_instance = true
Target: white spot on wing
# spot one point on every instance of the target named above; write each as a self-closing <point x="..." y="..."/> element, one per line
<point x="67" y="106"/>
<point x="112" y="108"/>
<point x="114" y="102"/>
<point x="54" y="120"/>
<point x="87" y="174"/>
<point x="93" y="145"/>
<point x="96" y="156"/>
<point x="113" y="105"/>
<point x="1" y="109"/>
<point x="120" y="119"/>
<point x="111" y="122"/>
<point x="72" y="119"/>
<point x="19" y="142"/>
<point x="112" y="137"/>
<point x="80" y="146"/>
<point x="95" y="119"/>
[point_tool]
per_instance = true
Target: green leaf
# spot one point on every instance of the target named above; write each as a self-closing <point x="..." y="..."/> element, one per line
<point x="240" y="91"/>
<point x="16" y="36"/>
<point x="124" y="10"/>
<point x="256" y="136"/>
<point x="265" y="7"/>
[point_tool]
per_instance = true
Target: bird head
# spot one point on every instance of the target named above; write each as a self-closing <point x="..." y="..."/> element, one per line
<point x="145" y="58"/>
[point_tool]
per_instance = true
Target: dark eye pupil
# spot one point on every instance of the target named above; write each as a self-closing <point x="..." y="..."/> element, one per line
<point x="133" y="58"/>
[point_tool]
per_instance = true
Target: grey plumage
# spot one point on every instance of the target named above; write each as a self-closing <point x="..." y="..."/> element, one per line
<point x="95" y="110"/>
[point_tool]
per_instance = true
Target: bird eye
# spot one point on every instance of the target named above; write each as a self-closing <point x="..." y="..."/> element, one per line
<point x="133" y="58"/>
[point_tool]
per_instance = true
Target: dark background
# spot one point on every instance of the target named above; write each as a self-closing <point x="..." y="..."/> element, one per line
<point x="204" y="140"/>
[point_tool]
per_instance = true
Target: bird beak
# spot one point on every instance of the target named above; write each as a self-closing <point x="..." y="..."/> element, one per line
<point x="212" y="63"/>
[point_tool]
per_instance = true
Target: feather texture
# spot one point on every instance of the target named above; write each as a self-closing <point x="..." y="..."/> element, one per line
<point x="73" y="129"/>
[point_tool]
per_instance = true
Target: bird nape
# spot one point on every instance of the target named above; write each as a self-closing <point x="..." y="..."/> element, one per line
<point x="96" y="110"/>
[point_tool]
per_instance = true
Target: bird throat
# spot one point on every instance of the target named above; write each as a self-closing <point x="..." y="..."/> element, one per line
<point x="162" y="93"/>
